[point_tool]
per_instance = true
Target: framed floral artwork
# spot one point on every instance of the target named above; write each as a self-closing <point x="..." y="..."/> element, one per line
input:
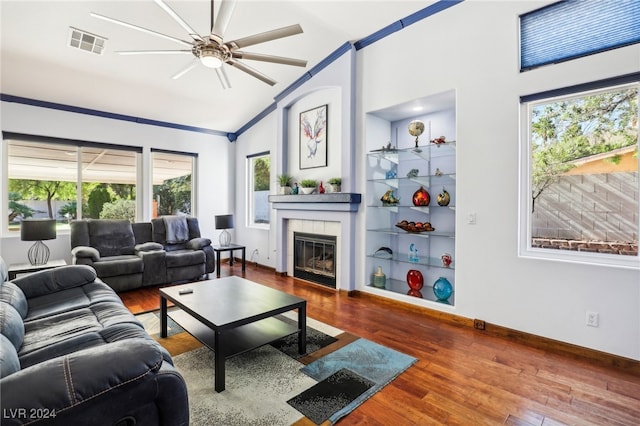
<point x="313" y="138"/>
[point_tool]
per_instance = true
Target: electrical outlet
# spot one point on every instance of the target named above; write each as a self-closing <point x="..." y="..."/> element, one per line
<point x="478" y="324"/>
<point x="593" y="319"/>
<point x="471" y="218"/>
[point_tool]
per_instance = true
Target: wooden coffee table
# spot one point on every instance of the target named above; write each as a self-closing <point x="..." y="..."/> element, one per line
<point x="232" y="315"/>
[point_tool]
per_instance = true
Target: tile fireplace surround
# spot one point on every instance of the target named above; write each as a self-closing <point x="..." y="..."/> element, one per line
<point x="299" y="213"/>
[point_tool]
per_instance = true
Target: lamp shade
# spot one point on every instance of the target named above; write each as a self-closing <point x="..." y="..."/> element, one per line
<point x="224" y="221"/>
<point x="38" y="229"/>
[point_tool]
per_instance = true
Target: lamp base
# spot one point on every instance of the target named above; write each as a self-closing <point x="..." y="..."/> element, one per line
<point x="225" y="238"/>
<point x="38" y="254"/>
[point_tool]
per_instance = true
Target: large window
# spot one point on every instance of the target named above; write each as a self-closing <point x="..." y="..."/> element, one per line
<point x="580" y="192"/>
<point x="65" y="180"/>
<point x="259" y="174"/>
<point x="173" y="183"/>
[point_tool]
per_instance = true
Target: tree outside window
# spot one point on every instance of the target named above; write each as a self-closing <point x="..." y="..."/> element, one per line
<point x="259" y="168"/>
<point x="584" y="172"/>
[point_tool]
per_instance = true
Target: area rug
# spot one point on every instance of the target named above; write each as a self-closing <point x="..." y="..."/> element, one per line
<point x="272" y="385"/>
<point x="368" y="360"/>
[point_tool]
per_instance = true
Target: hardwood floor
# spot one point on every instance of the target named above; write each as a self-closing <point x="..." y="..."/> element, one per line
<point x="463" y="376"/>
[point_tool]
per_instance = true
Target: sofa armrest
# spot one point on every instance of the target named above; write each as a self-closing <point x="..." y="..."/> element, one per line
<point x="109" y="382"/>
<point x="85" y="252"/>
<point x="148" y="247"/>
<point x="53" y="280"/>
<point x="198" y="243"/>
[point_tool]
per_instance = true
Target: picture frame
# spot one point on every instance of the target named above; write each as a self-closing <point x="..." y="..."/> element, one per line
<point x="313" y="137"/>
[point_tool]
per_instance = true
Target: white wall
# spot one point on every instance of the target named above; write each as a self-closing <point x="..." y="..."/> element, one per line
<point x="214" y="169"/>
<point x="473" y="48"/>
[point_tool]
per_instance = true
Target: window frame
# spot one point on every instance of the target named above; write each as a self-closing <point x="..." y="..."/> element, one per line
<point x="525" y="249"/>
<point x="250" y="218"/>
<point x="194" y="165"/>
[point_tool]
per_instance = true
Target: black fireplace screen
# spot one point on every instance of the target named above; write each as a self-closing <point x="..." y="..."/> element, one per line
<point x="315" y="258"/>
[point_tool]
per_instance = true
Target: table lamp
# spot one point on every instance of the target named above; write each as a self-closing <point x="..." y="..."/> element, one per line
<point x="38" y="230"/>
<point x="224" y="222"/>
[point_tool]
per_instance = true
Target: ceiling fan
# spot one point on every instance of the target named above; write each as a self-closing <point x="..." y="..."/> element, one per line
<point x="210" y="50"/>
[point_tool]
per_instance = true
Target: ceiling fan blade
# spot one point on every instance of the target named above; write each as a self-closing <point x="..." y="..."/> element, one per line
<point x="269" y="58"/>
<point x="182" y="72"/>
<point x="178" y="19"/>
<point x="138" y="28"/>
<point x="264" y="37"/>
<point x="246" y="68"/>
<point x="224" y="16"/>
<point x="224" y="80"/>
<point x="153" y="52"/>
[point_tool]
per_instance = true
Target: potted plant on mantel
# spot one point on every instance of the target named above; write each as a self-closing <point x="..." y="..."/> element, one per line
<point x="285" y="183"/>
<point x="307" y="186"/>
<point x="336" y="184"/>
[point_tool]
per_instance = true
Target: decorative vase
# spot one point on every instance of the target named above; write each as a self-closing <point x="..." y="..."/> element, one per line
<point x="443" y="198"/>
<point x="446" y="260"/>
<point x="379" y="278"/>
<point x="421" y="197"/>
<point x="415" y="280"/>
<point x="442" y="288"/>
<point x="321" y="188"/>
<point x="285" y="190"/>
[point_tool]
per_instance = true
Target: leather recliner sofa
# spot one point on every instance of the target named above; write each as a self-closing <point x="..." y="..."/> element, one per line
<point x="128" y="256"/>
<point x="72" y="354"/>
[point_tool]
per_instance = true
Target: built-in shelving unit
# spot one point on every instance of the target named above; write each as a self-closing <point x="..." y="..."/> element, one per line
<point x="403" y="167"/>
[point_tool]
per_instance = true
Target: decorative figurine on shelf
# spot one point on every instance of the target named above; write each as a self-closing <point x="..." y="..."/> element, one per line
<point x="439" y="141"/>
<point x="438" y="172"/>
<point x="444" y="198"/>
<point x="391" y="174"/>
<point x="421" y="197"/>
<point x="442" y="289"/>
<point x="379" y="278"/>
<point x="416" y="128"/>
<point x="413" y="173"/>
<point x="389" y="199"/>
<point x="321" y="188"/>
<point x="446" y="260"/>
<point x="295" y="189"/>
<point x="413" y="254"/>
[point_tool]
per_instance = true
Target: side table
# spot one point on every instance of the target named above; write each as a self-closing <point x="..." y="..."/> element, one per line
<point x="26" y="268"/>
<point x="231" y="247"/>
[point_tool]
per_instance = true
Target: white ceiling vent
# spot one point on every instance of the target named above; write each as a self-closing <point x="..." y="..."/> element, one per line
<point x="86" y="41"/>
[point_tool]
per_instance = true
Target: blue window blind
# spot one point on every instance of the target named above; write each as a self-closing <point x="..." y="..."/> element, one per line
<point x="574" y="28"/>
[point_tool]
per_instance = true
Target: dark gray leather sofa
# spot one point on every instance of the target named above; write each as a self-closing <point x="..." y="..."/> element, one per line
<point x="72" y="354"/>
<point x="128" y="256"/>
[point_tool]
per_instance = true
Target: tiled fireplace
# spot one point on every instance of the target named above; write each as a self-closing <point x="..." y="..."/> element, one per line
<point x="318" y="215"/>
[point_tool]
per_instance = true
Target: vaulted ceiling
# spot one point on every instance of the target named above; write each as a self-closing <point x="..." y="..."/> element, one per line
<point x="37" y="62"/>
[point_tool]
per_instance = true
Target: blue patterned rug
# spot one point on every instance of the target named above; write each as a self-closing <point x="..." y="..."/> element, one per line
<point x="366" y="361"/>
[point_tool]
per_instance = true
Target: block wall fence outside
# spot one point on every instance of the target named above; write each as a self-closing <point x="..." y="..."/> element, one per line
<point x="597" y="212"/>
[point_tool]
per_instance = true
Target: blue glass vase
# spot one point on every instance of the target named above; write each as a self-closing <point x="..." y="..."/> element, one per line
<point x="442" y="288"/>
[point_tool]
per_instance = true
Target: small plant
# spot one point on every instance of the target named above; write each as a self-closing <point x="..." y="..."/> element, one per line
<point x="335" y="181"/>
<point x="308" y="183"/>
<point x="285" y="179"/>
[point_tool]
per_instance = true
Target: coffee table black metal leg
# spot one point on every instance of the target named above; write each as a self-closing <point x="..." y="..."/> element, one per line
<point x="302" y="323"/>
<point x="163" y="317"/>
<point x="218" y="357"/>
<point x="244" y="259"/>
<point x="218" y="264"/>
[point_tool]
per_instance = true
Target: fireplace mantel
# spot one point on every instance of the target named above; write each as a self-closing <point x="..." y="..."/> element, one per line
<point x="335" y="201"/>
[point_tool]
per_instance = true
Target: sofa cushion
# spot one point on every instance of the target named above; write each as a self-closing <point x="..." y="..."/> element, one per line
<point x="180" y="258"/>
<point x="67" y="332"/>
<point x="113" y="266"/>
<point x="70" y="299"/>
<point x="111" y="237"/>
<point x="53" y="280"/>
<point x="9" y="362"/>
<point x="13" y="295"/>
<point x="4" y="273"/>
<point x="11" y="325"/>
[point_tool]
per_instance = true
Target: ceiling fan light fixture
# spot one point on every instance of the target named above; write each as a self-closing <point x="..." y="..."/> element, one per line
<point x="211" y="58"/>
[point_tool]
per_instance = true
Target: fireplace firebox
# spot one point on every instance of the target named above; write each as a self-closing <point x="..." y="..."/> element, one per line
<point x="314" y="258"/>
